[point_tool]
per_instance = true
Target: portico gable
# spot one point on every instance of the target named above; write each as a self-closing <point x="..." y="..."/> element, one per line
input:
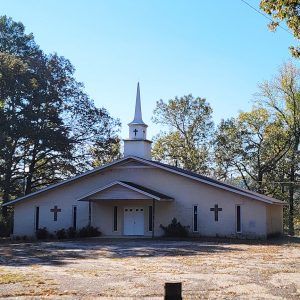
<point x="123" y="190"/>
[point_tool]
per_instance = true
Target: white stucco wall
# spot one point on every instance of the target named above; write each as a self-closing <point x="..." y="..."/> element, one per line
<point x="274" y="219"/>
<point x="139" y="148"/>
<point x="24" y="214"/>
<point x="185" y="191"/>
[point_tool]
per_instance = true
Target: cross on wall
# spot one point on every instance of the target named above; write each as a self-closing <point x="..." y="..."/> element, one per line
<point x="216" y="209"/>
<point x="55" y="210"/>
<point x="135" y="131"/>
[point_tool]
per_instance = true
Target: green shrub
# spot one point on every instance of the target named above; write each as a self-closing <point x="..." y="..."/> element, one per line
<point x="175" y="229"/>
<point x="5" y="226"/>
<point x="89" y="231"/>
<point x="274" y="235"/>
<point x="61" y="234"/>
<point x="22" y="238"/>
<point x="71" y="232"/>
<point x="42" y="233"/>
<point x="51" y="236"/>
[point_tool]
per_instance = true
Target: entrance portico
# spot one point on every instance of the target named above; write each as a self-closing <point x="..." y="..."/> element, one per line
<point x="124" y="209"/>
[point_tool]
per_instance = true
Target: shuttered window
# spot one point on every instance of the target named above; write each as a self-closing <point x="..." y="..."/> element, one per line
<point x="150" y="218"/>
<point x="195" y="218"/>
<point x="74" y="216"/>
<point x="238" y="219"/>
<point x="115" y="218"/>
<point x="37" y="217"/>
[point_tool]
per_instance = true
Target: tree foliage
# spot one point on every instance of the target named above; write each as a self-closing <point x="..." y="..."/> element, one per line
<point x="49" y="127"/>
<point x="281" y="95"/>
<point x="249" y="147"/>
<point x="189" y="128"/>
<point x="260" y="148"/>
<point x="284" y="10"/>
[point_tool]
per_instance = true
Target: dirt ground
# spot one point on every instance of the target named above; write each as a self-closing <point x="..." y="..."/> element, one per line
<point x="136" y="269"/>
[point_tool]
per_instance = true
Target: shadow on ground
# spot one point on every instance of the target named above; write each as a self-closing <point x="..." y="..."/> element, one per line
<point x="61" y="253"/>
<point x="65" y="252"/>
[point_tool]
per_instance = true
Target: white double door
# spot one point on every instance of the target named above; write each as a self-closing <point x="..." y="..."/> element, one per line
<point x="133" y="221"/>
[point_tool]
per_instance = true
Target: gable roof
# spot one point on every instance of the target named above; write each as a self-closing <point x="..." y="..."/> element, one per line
<point x="172" y="169"/>
<point x="131" y="186"/>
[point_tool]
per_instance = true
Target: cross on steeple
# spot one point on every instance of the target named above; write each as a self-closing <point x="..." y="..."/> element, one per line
<point x="135" y="131"/>
<point x="216" y="209"/>
<point x="55" y="210"/>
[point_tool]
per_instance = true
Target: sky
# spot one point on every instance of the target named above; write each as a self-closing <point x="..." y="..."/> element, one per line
<point x="218" y="50"/>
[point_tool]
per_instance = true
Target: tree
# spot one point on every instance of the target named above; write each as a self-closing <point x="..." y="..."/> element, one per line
<point x="189" y="124"/>
<point x="261" y="148"/>
<point x="281" y="96"/>
<point x="284" y="10"/>
<point x="13" y="39"/>
<point x="105" y="151"/>
<point x="250" y="147"/>
<point x="94" y="133"/>
<point x="14" y="81"/>
<point x="49" y="128"/>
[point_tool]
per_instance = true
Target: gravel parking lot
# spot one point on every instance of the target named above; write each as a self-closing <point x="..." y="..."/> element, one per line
<point x="135" y="269"/>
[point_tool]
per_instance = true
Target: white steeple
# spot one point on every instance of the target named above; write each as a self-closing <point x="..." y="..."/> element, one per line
<point x="138" y="110"/>
<point x="137" y="144"/>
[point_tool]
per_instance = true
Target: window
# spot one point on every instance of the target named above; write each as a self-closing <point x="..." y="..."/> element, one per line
<point x="90" y="213"/>
<point x="195" y="218"/>
<point x="115" y="218"/>
<point x="238" y="219"/>
<point x="150" y="218"/>
<point x="74" y="215"/>
<point x="37" y="217"/>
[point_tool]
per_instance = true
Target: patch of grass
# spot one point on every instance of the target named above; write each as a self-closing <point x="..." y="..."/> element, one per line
<point x="39" y="293"/>
<point x="86" y="272"/>
<point x="269" y="272"/>
<point x="7" y="278"/>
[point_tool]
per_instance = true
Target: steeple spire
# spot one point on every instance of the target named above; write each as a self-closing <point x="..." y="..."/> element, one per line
<point x="138" y="110"/>
<point x="137" y="144"/>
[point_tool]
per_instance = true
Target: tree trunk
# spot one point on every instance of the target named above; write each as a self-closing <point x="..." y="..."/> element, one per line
<point x="6" y="187"/>
<point x="8" y="172"/>
<point x="28" y="178"/>
<point x="259" y="182"/>
<point x="292" y="186"/>
<point x="291" y="205"/>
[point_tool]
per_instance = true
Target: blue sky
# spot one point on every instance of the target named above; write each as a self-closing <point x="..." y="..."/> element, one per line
<point x="218" y="50"/>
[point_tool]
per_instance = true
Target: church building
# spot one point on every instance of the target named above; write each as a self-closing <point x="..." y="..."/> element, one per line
<point x="134" y="195"/>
